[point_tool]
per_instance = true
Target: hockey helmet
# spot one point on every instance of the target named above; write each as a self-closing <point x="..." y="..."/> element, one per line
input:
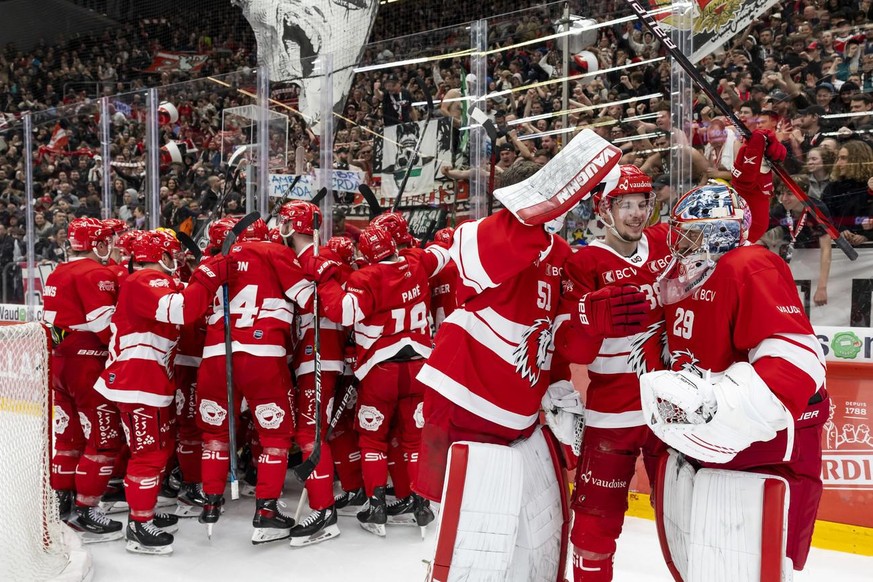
<point x="125" y="240"/>
<point x="85" y="233"/>
<point x="630" y="180"/>
<point x="343" y="246"/>
<point x="444" y="236"/>
<point x="394" y="223"/>
<point x="707" y="222"/>
<point x="218" y="231"/>
<point x="151" y="245"/>
<point x="257" y="231"/>
<point x="116" y="225"/>
<point x="300" y="214"/>
<point x="376" y="244"/>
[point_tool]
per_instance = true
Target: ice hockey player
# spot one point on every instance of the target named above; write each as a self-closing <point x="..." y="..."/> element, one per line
<point x="627" y="261"/>
<point x="387" y="302"/>
<point x="490" y="370"/>
<point x="263" y="290"/>
<point x="137" y="379"/>
<point x="746" y="395"/>
<point x="296" y="225"/>
<point x="443" y="287"/>
<point x="115" y="261"/>
<point x="80" y="297"/>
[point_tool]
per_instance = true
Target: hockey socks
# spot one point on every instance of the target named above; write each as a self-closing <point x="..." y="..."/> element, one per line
<point x="374" y="468"/>
<point x="319" y="485"/>
<point x="397" y="468"/>
<point x="587" y="570"/>
<point x="272" y="466"/>
<point x="214" y="464"/>
<point x="63" y="475"/>
<point x="347" y="460"/>
<point x="92" y="476"/>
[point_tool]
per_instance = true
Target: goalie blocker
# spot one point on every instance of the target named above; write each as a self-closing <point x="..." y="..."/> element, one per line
<point x="716" y="525"/>
<point x="505" y="513"/>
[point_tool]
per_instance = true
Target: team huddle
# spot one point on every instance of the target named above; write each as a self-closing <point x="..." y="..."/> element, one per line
<point x="429" y="369"/>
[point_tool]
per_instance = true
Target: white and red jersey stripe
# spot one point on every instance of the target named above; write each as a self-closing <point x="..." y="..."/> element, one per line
<point x="388" y="306"/>
<point x="492" y="355"/>
<point x="264" y="291"/>
<point x="749" y="311"/>
<point x="614" y="364"/>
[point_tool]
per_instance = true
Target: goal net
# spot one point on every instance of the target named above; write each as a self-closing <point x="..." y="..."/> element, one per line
<point x="34" y="543"/>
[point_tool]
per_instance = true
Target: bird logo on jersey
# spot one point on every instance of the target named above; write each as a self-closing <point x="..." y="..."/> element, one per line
<point x="685" y="360"/>
<point x="649" y="351"/>
<point x="530" y="354"/>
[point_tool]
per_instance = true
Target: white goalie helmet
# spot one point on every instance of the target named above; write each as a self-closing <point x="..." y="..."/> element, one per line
<point x="707" y="222"/>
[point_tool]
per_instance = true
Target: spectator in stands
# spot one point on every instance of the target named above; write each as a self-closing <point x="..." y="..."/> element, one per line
<point x="847" y="195"/>
<point x="819" y="163"/>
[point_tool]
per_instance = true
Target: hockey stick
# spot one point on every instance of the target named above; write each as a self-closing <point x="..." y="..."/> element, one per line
<point x="479" y="116"/>
<point x="649" y="21"/>
<point x="230" y="239"/>
<point x="372" y="202"/>
<point x="319" y="197"/>
<point x="190" y="245"/>
<point x="305" y="469"/>
<point x="412" y="160"/>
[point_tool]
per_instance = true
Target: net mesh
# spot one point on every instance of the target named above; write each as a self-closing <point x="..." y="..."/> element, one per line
<point x="32" y="546"/>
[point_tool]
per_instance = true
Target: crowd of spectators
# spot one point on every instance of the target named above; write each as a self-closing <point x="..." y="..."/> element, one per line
<point x="804" y="70"/>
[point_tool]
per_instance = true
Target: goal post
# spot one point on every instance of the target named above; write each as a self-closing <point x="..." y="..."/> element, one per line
<point x="34" y="544"/>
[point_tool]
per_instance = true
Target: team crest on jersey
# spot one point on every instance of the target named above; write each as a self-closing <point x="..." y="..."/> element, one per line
<point x="685" y="360"/>
<point x="530" y="355"/>
<point x="85" y="424"/>
<point x="211" y="412"/>
<point x="106" y="286"/>
<point x="418" y="415"/>
<point x="269" y="415"/>
<point x="259" y="333"/>
<point x="111" y="377"/>
<point x="649" y="350"/>
<point x="61" y="420"/>
<point x="180" y="402"/>
<point x="159" y="283"/>
<point x="370" y="418"/>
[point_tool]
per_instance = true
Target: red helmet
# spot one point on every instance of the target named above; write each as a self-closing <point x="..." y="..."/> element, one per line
<point x="444" y="236"/>
<point x="151" y="245"/>
<point x="343" y="246"/>
<point x="116" y="225"/>
<point x="85" y="233"/>
<point x="218" y="231"/>
<point x="394" y="223"/>
<point x="631" y="180"/>
<point x="257" y="231"/>
<point x="125" y="241"/>
<point x="300" y="214"/>
<point x="275" y="236"/>
<point x="376" y="244"/>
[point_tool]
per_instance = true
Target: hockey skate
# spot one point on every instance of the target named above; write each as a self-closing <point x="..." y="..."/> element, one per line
<point x="167" y="522"/>
<point x="270" y="523"/>
<point x="168" y="494"/>
<point x="66" y="500"/>
<point x="422" y="512"/>
<point x="114" y="500"/>
<point x="374" y="518"/>
<point x="94" y="526"/>
<point x="190" y="501"/>
<point x="350" y="503"/>
<point x="145" y="537"/>
<point x="400" y="512"/>
<point x="212" y="510"/>
<point x="320" y="526"/>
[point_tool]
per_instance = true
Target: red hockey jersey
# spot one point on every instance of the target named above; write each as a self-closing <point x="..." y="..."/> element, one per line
<point x="388" y="303"/>
<point x="614" y="364"/>
<point x="332" y="336"/>
<point x="444" y="294"/>
<point x="493" y="353"/>
<point x="268" y="279"/>
<point x="79" y="297"/>
<point x="145" y="331"/>
<point x="749" y="311"/>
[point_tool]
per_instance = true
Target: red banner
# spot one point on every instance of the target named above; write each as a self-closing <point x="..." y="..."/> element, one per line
<point x="173" y="61"/>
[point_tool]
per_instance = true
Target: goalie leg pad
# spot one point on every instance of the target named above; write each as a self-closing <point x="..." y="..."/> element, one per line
<point x="722" y="526"/>
<point x="503" y="517"/>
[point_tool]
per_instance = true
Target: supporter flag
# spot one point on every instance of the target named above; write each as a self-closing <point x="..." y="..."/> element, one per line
<point x="713" y="22"/>
<point x="396" y="156"/>
<point x="60" y="137"/>
<point x="175" y="61"/>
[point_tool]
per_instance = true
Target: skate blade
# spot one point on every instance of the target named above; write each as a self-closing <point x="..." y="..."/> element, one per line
<point x="406" y="520"/>
<point x="351" y="510"/>
<point x="423" y="531"/>
<point x="95" y="538"/>
<point x="170" y="529"/>
<point x="138" y="548"/>
<point x="185" y="510"/>
<point x="375" y="528"/>
<point x="110" y="507"/>
<point x="327" y="533"/>
<point x="264" y="535"/>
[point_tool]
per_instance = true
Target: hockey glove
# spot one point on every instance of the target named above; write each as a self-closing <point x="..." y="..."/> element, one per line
<point x="214" y="272"/>
<point x="320" y="268"/>
<point x="565" y="414"/>
<point x="776" y="152"/>
<point x="614" y="311"/>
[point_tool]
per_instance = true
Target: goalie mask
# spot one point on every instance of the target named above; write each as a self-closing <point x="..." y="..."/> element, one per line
<point x="626" y="203"/>
<point x="707" y="222"/>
